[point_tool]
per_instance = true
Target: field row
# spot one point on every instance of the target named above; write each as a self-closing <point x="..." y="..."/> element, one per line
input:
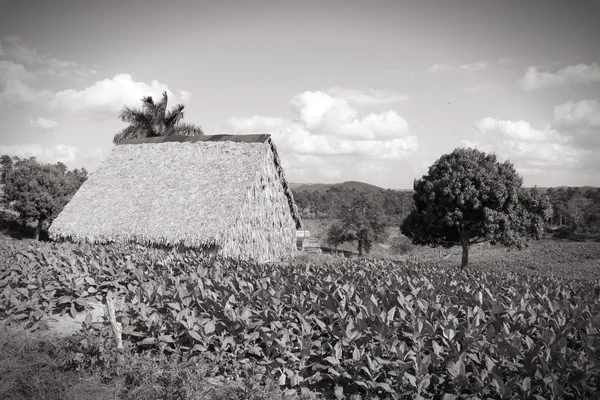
<point x="374" y="328"/>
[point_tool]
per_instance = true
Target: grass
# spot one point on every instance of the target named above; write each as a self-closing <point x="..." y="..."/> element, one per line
<point x="574" y="257"/>
<point x="30" y="368"/>
<point x="41" y="365"/>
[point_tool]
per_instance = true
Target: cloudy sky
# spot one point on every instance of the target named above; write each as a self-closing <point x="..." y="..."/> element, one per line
<point x="373" y="91"/>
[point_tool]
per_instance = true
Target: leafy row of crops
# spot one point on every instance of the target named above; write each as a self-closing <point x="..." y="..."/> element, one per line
<point x="548" y="257"/>
<point x="374" y="328"/>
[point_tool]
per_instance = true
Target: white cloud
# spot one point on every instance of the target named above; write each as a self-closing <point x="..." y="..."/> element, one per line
<point x="515" y="130"/>
<point x="468" y="143"/>
<point x="475" y="66"/>
<point x="16" y="91"/>
<point x="584" y="112"/>
<point x="578" y="74"/>
<point x="59" y="153"/>
<point x="471" y="67"/>
<point x="310" y="108"/>
<point x="570" y="142"/>
<point x="16" y="50"/>
<point x="42" y="123"/>
<point x="108" y="95"/>
<point x="319" y="112"/>
<point x="95" y="153"/>
<point x="580" y="122"/>
<point x="185" y="96"/>
<point x="105" y="97"/>
<point x="294" y="137"/>
<point x="66" y="74"/>
<point x="10" y="70"/>
<point x="530" y="148"/>
<point x="439" y="68"/>
<point x="256" y="124"/>
<point x="43" y="64"/>
<point x="368" y="97"/>
<point x="324" y="128"/>
<point x="530" y="154"/>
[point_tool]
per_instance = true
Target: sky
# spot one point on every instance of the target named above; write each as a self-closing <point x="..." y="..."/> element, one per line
<point x="372" y="91"/>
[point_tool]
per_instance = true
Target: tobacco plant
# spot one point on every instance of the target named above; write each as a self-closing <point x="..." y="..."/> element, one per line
<point x="381" y="328"/>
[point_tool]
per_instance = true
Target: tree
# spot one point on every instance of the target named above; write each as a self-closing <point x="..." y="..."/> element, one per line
<point x="78" y="176"/>
<point x="577" y="209"/>
<point x="6" y="164"/>
<point x="468" y="197"/>
<point x="337" y="234"/>
<point x="154" y="120"/>
<point x="363" y="222"/>
<point x="40" y="191"/>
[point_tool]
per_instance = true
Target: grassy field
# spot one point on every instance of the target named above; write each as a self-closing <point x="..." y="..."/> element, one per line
<point x="325" y="324"/>
<point x="549" y="256"/>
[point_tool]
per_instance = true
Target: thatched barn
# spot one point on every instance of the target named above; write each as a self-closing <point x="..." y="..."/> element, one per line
<point x="223" y="194"/>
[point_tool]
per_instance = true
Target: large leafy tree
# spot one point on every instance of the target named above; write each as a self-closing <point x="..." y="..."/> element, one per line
<point x="39" y="192"/>
<point x="153" y="119"/>
<point x="468" y="197"/>
<point x="6" y="164"/>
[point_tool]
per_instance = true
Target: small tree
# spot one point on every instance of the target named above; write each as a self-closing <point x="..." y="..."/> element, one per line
<point x="39" y="192"/>
<point x="468" y="197"/>
<point x="577" y="208"/>
<point x="337" y="235"/>
<point x="363" y="222"/>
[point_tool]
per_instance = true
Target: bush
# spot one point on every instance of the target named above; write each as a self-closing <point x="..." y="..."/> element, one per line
<point x="31" y="368"/>
<point x="563" y="232"/>
<point x="43" y="366"/>
<point x="402" y="245"/>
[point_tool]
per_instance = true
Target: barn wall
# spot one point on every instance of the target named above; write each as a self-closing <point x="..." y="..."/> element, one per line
<point x="265" y="229"/>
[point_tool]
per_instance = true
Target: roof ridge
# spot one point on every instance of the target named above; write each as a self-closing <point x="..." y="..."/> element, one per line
<point x="255" y="138"/>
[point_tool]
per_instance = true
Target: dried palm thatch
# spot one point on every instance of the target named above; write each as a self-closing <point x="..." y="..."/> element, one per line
<point x="224" y="194"/>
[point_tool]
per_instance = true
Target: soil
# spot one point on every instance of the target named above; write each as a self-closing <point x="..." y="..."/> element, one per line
<point x="65" y="325"/>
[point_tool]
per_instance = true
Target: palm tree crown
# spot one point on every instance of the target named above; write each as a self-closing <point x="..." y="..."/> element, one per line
<point x="153" y="119"/>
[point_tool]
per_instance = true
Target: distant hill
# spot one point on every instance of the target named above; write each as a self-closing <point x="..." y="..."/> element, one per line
<point x="583" y="188"/>
<point x="323" y="187"/>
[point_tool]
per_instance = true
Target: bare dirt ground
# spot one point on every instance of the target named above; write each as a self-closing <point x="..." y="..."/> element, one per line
<point x="65" y="325"/>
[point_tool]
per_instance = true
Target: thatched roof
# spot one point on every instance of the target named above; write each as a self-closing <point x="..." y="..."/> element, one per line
<point x="175" y="190"/>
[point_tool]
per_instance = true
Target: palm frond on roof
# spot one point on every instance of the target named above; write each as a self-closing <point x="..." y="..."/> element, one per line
<point x="153" y="119"/>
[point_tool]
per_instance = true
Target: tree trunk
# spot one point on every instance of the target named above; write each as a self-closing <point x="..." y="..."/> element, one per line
<point x="360" y="248"/>
<point x="465" y="255"/>
<point x="38" y="229"/>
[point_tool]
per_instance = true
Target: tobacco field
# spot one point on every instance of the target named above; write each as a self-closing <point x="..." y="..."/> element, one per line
<point x="374" y="329"/>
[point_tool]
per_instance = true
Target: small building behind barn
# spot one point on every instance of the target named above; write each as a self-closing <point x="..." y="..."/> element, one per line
<point x="311" y="245"/>
<point x="223" y="194"/>
<point x="301" y="234"/>
<point x="306" y="242"/>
